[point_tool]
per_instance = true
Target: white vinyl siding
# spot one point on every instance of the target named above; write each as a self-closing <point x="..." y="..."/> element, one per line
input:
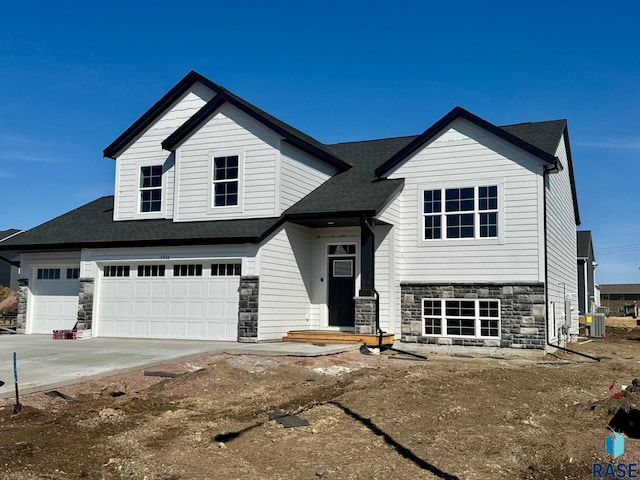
<point x="301" y="173"/>
<point x="465" y="154"/>
<point x="228" y="130"/>
<point x="285" y="282"/>
<point x="391" y="215"/>
<point x="147" y="150"/>
<point x="561" y="247"/>
<point x="385" y="276"/>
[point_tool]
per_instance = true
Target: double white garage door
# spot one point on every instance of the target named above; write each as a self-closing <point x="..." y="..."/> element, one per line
<point x="182" y="301"/>
<point x="196" y="301"/>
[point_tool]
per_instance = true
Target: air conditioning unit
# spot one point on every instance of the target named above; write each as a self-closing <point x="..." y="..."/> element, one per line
<point x="594" y="323"/>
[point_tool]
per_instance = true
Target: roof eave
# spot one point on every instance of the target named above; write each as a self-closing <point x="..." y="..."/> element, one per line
<point x="191" y="125"/>
<point x="142" y="123"/>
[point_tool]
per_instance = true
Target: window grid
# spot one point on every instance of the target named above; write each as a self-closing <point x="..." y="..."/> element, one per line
<point x="151" y="270"/>
<point x="461" y="318"/>
<point x="226" y="269"/>
<point x="117" y="270"/>
<point x="225" y="181"/>
<point x="73" y="273"/>
<point x="187" y="270"/>
<point x="48" y="274"/>
<point x="470" y="212"/>
<point x="151" y="188"/>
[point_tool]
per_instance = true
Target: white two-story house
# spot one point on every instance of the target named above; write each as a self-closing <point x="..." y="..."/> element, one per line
<point x="228" y="224"/>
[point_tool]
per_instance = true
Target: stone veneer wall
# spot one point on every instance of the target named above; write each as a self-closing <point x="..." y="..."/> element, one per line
<point x="522" y="313"/>
<point x="23" y="296"/>
<point x="365" y="321"/>
<point x="85" y="304"/>
<point x="248" y="309"/>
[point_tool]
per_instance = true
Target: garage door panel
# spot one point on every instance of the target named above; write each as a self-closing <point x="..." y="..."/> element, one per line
<point x="195" y="307"/>
<point x="54" y="302"/>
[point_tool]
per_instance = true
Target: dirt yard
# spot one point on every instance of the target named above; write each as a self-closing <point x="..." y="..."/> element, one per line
<point x="386" y="416"/>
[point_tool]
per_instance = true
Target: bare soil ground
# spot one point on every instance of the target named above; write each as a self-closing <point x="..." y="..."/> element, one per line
<point x="386" y="416"/>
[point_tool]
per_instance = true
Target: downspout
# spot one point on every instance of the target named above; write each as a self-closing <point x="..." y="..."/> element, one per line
<point x="554" y="169"/>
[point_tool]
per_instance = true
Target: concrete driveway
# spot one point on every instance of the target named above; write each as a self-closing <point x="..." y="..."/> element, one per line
<point x="44" y="363"/>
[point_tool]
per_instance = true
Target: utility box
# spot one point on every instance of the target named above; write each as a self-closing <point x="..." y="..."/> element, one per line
<point x="594" y="323"/>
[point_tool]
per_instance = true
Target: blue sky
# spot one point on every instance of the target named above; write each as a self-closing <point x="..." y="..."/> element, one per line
<point x="74" y="75"/>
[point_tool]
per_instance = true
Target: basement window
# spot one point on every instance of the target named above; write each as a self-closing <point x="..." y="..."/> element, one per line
<point x="474" y="318"/>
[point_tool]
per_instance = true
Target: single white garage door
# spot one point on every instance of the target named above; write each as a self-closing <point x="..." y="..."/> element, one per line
<point x="54" y="299"/>
<point x="197" y="301"/>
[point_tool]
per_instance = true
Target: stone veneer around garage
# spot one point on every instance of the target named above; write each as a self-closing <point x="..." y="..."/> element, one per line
<point x="248" y="309"/>
<point x="522" y="313"/>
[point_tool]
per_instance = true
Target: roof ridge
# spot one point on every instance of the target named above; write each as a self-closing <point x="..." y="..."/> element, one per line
<point x="533" y="123"/>
<point x="372" y="140"/>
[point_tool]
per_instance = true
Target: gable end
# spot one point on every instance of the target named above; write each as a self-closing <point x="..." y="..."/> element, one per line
<point x="437" y="127"/>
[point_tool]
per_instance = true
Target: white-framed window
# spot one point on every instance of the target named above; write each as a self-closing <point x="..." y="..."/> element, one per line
<point x="151" y="270"/>
<point x="226" y="181"/>
<point x="226" y="269"/>
<point x="188" y="270"/>
<point x="150" y="188"/>
<point x="471" y="318"/>
<point x="459" y="213"/>
<point x="117" y="270"/>
<point x="48" y="274"/>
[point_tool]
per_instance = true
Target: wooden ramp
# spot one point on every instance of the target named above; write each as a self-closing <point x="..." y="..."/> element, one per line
<point x="332" y="336"/>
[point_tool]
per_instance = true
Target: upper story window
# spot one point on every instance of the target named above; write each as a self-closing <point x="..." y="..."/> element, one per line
<point x="470" y="212"/>
<point x="226" y="178"/>
<point x="151" y="188"/>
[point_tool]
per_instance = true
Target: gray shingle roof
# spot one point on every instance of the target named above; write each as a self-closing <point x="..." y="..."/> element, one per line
<point x="356" y="189"/>
<point x="544" y="135"/>
<point x="7" y="233"/>
<point x="92" y="225"/>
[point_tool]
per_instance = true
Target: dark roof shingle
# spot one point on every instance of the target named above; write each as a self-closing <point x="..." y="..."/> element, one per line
<point x="92" y="225"/>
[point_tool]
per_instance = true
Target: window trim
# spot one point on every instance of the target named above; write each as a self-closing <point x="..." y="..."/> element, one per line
<point x="211" y="208"/>
<point x="476" y="239"/>
<point x="141" y="189"/>
<point x="477" y="318"/>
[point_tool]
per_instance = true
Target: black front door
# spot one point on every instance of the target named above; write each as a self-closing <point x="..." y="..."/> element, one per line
<point x="342" y="289"/>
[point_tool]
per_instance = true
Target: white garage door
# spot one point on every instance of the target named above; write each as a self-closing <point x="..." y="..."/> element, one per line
<point x="182" y="301"/>
<point x="55" y="299"/>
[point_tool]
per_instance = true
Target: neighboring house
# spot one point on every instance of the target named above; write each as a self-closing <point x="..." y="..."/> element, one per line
<point x="588" y="298"/>
<point x="621" y="298"/>
<point x="9" y="263"/>
<point x="229" y="224"/>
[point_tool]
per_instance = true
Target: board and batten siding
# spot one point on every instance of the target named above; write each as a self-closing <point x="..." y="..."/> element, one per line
<point x="228" y="132"/>
<point x="147" y="150"/>
<point x="300" y="174"/>
<point x="561" y="247"/>
<point x="465" y="155"/>
<point x="285" y="282"/>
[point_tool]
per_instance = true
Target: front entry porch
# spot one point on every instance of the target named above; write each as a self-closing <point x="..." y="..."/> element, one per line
<point x="332" y="336"/>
